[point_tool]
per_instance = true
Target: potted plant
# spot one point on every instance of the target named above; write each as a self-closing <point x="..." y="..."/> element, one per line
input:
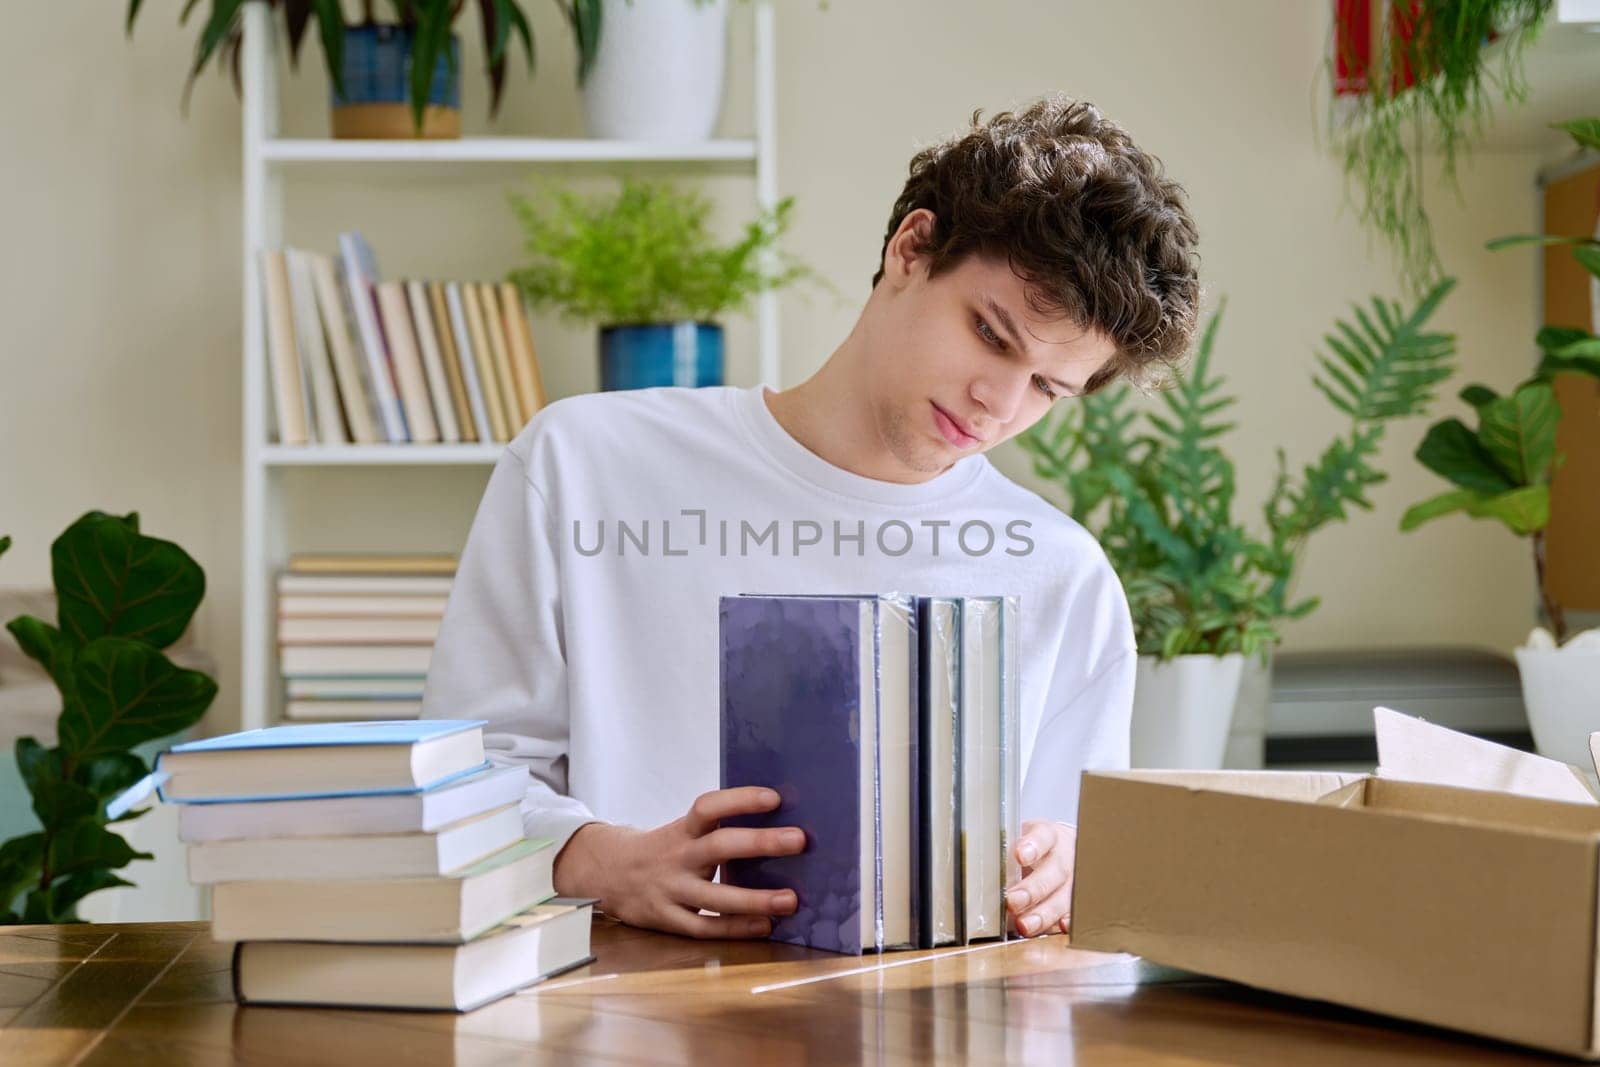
<point x="394" y="79"/>
<point x="1207" y="595"/>
<point x="657" y="71"/>
<point x="643" y="264"/>
<point x="121" y="598"/>
<point x="1435" y="70"/>
<point x="1502" y="470"/>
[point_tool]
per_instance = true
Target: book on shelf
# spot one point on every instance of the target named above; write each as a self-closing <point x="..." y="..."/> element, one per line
<point x="388" y="813"/>
<point x="374" y="585"/>
<point x="544" y="941"/>
<point x="358" y="631"/>
<point x="283" y="353"/>
<point x="395" y="316"/>
<point x="444" y="412"/>
<point x="444" y="329"/>
<point x="388" y="563"/>
<point x="485" y="410"/>
<point x="355" y="395"/>
<point x="326" y="418"/>
<point x="505" y="378"/>
<point x="530" y="386"/>
<point x="356" y="856"/>
<point x="818" y="701"/>
<point x="347" y="708"/>
<point x="446" y="909"/>
<point x="312" y="606"/>
<point x="361" y="275"/>
<point x="990" y="779"/>
<point x="279" y="762"/>
<point x="500" y="419"/>
<point x="377" y="660"/>
<point x="357" y="687"/>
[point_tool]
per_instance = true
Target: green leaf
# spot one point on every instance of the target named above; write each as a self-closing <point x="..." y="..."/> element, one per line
<point x="53" y="650"/>
<point x="36" y="763"/>
<point x="1519" y="431"/>
<point x="1478" y="395"/>
<point x="129" y="693"/>
<point x="21" y="861"/>
<point x="1453" y="451"/>
<point x="1560" y="338"/>
<point x="59" y="803"/>
<point x="106" y="776"/>
<point x="1525" y="510"/>
<point x="1535" y="239"/>
<point x="111" y="579"/>
<point x="1585" y="132"/>
<point x="87" y="845"/>
<point x="330" y="24"/>
<point x="5" y="543"/>
<point x="62" y="898"/>
<point x="1386" y="364"/>
<point x="1588" y="256"/>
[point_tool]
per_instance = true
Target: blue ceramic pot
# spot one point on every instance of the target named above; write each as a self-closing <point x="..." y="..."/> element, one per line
<point x="377" y="88"/>
<point x="663" y="353"/>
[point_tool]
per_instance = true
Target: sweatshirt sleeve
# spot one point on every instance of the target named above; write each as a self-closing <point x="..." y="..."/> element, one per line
<point x="1088" y="713"/>
<point x="501" y="650"/>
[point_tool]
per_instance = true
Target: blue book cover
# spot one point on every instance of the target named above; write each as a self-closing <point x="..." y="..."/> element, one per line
<point x="792" y="717"/>
<point x="374" y="732"/>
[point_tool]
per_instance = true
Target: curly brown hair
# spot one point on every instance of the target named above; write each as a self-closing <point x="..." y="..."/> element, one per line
<point x="1083" y="215"/>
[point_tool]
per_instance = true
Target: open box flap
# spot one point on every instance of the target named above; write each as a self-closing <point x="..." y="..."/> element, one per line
<point x="1414" y="750"/>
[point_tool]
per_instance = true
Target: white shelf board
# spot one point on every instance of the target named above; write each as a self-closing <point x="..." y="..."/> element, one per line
<point x="379" y="455"/>
<point x="288" y="151"/>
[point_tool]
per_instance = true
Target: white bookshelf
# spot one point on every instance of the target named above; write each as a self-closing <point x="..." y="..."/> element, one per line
<point x="271" y="161"/>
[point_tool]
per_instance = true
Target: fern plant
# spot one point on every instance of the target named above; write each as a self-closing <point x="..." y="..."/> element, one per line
<point x="1160" y="500"/>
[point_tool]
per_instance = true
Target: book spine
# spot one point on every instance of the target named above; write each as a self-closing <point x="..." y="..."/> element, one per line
<point x="444" y="413"/>
<point x="488" y="376"/>
<point x="359" y="278"/>
<point x="396" y="318"/>
<point x="288" y="388"/>
<point x="469" y="368"/>
<point x="494" y="323"/>
<point x="356" y="398"/>
<point x="444" y="328"/>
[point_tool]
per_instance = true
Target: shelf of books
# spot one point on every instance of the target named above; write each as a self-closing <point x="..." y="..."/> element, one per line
<point x="348" y="369"/>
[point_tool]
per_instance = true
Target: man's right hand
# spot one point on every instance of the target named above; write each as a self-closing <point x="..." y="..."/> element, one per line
<point x="661" y="878"/>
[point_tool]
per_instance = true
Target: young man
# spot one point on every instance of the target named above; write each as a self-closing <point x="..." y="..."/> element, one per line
<point x="1037" y="257"/>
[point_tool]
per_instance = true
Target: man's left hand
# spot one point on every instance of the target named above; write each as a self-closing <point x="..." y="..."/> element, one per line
<point x="1041" y="903"/>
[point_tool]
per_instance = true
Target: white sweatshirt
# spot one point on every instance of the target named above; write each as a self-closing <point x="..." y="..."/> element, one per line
<point x="583" y="619"/>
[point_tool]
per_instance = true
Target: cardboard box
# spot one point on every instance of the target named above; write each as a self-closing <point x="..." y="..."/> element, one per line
<point x="1458" y="886"/>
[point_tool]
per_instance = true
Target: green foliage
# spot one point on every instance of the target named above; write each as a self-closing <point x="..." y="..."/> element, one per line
<point x="429" y="20"/>
<point x="1160" y="501"/>
<point x="122" y="597"/>
<point x="644" y="254"/>
<point x="1461" y="73"/>
<point x="1502" y="469"/>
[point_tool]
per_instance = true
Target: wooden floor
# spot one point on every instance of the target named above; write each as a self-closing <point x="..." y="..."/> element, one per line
<point x="160" y="994"/>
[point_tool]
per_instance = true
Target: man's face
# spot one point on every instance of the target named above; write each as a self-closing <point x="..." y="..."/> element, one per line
<point x="961" y="363"/>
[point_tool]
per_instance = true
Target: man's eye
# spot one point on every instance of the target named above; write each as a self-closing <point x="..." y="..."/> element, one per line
<point x="989" y="335"/>
<point x="1044" y="387"/>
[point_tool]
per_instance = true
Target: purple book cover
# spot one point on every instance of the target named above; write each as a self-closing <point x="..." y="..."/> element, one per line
<point x="791" y="721"/>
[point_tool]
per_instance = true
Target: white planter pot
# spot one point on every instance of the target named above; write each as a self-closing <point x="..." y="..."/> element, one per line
<point x="658" y="74"/>
<point x="1561" y="689"/>
<point x="1247" y="738"/>
<point x="1182" y="710"/>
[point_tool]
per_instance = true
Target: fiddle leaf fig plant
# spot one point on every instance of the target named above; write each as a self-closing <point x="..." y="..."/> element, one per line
<point x="121" y="598"/>
<point x="1160" y="500"/>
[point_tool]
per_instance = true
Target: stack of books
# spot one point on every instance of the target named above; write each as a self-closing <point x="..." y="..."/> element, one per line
<point x="371" y="865"/>
<point x="353" y="357"/>
<point x="355" y="633"/>
<point x="889" y="726"/>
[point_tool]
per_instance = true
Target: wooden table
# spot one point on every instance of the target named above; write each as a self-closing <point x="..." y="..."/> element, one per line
<point x="159" y="993"/>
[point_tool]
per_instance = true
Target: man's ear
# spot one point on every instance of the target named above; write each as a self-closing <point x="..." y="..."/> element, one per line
<point x="904" y="255"/>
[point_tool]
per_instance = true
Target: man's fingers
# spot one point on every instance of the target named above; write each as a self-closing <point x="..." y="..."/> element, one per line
<point x="710" y="808"/>
<point x="1037" y="840"/>
<point x="732" y="900"/>
<point x="715" y="927"/>
<point x="1053" y="911"/>
<point x="738" y="842"/>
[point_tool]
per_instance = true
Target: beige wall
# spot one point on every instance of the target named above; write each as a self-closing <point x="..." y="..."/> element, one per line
<point x="121" y="363"/>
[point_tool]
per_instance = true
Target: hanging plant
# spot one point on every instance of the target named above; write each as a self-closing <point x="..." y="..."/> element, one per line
<point x="1435" y="72"/>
